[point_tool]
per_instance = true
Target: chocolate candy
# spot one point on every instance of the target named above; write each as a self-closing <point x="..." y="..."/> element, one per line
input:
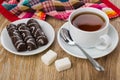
<point x="25" y="32"/>
<point x="16" y="38"/>
<point x="37" y="32"/>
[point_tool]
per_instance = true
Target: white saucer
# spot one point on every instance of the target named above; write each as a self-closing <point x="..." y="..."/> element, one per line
<point x="93" y="52"/>
<point x="7" y="43"/>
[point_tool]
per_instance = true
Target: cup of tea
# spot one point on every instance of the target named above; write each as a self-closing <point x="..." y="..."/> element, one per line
<point x="89" y="27"/>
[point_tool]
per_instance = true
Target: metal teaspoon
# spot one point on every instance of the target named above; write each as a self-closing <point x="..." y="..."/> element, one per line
<point x="64" y="33"/>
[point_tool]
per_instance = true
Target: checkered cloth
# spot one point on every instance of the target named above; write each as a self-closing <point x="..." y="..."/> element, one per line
<point x="60" y="9"/>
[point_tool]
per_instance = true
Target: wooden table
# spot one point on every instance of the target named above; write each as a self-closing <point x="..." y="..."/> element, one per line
<point x="13" y="67"/>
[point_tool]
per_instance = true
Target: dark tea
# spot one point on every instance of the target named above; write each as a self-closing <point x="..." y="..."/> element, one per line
<point x="88" y="21"/>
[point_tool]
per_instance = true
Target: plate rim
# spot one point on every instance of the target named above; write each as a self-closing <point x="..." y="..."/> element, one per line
<point x="28" y="54"/>
<point x="68" y="52"/>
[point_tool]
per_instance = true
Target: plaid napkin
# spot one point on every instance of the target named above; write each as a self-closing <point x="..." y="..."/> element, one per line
<point x="60" y="9"/>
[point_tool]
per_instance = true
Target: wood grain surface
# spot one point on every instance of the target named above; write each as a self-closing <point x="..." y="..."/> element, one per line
<point x="13" y="67"/>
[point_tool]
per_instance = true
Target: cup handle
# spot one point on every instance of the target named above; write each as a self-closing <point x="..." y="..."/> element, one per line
<point x="105" y="42"/>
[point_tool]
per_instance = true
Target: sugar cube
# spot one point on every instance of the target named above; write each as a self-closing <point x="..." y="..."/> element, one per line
<point x="49" y="57"/>
<point x="62" y="64"/>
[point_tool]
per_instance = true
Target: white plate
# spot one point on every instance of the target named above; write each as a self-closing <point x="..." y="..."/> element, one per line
<point x="95" y="53"/>
<point x="7" y="43"/>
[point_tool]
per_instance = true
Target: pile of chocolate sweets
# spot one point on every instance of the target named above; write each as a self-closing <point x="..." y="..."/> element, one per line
<point x="27" y="36"/>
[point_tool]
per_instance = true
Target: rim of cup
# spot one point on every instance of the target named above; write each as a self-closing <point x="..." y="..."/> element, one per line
<point x="92" y="10"/>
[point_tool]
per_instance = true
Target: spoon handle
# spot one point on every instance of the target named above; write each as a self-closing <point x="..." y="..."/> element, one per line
<point x="97" y="66"/>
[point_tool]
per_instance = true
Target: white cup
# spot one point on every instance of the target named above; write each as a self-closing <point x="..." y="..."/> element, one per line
<point x="89" y="39"/>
